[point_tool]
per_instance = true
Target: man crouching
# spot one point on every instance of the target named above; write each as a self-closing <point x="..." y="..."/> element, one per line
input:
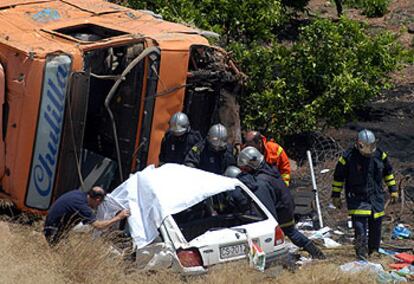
<point x="73" y="207"/>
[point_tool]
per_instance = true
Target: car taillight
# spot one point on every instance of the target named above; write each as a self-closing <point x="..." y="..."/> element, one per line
<point x="189" y="257"/>
<point x="279" y="236"/>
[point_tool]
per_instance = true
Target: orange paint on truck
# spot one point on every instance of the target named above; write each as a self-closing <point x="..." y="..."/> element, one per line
<point x="59" y="59"/>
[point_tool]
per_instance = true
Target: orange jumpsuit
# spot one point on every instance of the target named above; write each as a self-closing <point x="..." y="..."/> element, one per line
<point x="276" y="156"/>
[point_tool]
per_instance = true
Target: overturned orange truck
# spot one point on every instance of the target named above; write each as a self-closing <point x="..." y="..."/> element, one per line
<point x="87" y="89"/>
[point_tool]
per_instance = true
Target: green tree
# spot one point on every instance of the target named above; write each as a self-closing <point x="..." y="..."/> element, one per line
<point x="371" y="8"/>
<point x="332" y="70"/>
<point x="234" y="20"/>
<point x="323" y="77"/>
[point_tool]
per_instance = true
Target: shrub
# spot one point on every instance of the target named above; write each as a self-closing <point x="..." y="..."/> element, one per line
<point x="375" y="8"/>
<point x="371" y="8"/>
<point x="234" y="20"/>
<point x="332" y="70"/>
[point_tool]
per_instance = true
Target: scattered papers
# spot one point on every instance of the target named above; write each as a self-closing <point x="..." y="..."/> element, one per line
<point x="321" y="233"/>
<point x="329" y="243"/>
<point x="382" y="276"/>
<point x="360" y="265"/>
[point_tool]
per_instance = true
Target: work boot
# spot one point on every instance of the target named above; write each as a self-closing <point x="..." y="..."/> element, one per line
<point x="314" y="251"/>
<point x="361" y="252"/>
<point x="374" y="254"/>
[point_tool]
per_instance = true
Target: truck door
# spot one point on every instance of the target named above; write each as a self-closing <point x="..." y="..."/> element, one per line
<point x="69" y="167"/>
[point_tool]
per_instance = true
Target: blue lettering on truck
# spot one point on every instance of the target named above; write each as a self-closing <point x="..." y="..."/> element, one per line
<point x="49" y="132"/>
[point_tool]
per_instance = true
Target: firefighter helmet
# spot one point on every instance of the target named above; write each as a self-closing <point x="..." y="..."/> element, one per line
<point x="250" y="157"/>
<point x="232" y="171"/>
<point x="366" y="143"/>
<point x="217" y="137"/>
<point x="179" y="124"/>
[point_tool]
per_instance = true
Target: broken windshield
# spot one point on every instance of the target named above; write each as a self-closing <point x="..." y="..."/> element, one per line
<point x="224" y="210"/>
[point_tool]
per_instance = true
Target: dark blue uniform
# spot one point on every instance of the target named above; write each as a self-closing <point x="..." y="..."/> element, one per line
<point x="201" y="156"/>
<point x="268" y="185"/>
<point x="67" y="211"/>
<point x="174" y="148"/>
<point x="362" y="178"/>
<point x="262" y="190"/>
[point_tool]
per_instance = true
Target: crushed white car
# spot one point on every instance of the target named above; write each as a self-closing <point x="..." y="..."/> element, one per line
<point x="190" y="219"/>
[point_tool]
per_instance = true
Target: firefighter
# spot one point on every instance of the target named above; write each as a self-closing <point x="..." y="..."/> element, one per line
<point x="178" y="140"/>
<point x="213" y="154"/>
<point x="235" y="198"/>
<point x="361" y="170"/>
<point x="273" y="153"/>
<point x="73" y="207"/>
<point x="268" y="186"/>
<point x="232" y="171"/>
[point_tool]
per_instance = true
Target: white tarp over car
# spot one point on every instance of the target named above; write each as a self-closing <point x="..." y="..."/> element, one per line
<point x="154" y="193"/>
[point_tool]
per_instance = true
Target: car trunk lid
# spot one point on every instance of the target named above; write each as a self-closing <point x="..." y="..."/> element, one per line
<point x="228" y="244"/>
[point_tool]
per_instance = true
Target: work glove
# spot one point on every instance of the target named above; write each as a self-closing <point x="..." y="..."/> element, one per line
<point x="336" y="201"/>
<point x="394" y="197"/>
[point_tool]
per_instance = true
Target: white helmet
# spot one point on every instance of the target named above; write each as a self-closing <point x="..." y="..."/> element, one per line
<point x="250" y="157"/>
<point x="217" y="137"/>
<point x="366" y="143"/>
<point x="232" y="171"/>
<point x="179" y="124"/>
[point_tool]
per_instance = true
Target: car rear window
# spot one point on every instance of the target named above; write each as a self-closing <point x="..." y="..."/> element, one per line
<point x="224" y="210"/>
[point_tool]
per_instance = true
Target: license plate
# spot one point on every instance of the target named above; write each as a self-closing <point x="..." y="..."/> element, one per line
<point x="232" y="251"/>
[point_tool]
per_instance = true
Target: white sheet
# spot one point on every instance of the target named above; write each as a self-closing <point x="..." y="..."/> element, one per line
<point x="155" y="193"/>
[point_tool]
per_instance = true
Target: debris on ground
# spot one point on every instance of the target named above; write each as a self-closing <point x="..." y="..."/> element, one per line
<point x="390" y="277"/>
<point x="405" y="257"/>
<point x="329" y="243"/>
<point x="303" y="260"/>
<point x="407" y="272"/>
<point x="321" y="233"/>
<point x="398" y="266"/>
<point x="361" y="265"/>
<point x="327" y="236"/>
<point x="401" y="232"/>
<point x="387" y="252"/>
<point x="382" y="276"/>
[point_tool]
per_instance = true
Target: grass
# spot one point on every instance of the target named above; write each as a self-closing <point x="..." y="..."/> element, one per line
<point x="26" y="258"/>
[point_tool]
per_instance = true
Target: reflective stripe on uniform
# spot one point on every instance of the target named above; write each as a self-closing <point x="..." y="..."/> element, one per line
<point x="288" y="224"/>
<point x="359" y="212"/>
<point x="389" y="177"/>
<point x="338" y="183"/>
<point x="336" y="189"/>
<point x="279" y="151"/>
<point x="391" y="183"/>
<point x="285" y="176"/>
<point x="342" y="161"/>
<point x="384" y="155"/>
<point x="379" y="214"/>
